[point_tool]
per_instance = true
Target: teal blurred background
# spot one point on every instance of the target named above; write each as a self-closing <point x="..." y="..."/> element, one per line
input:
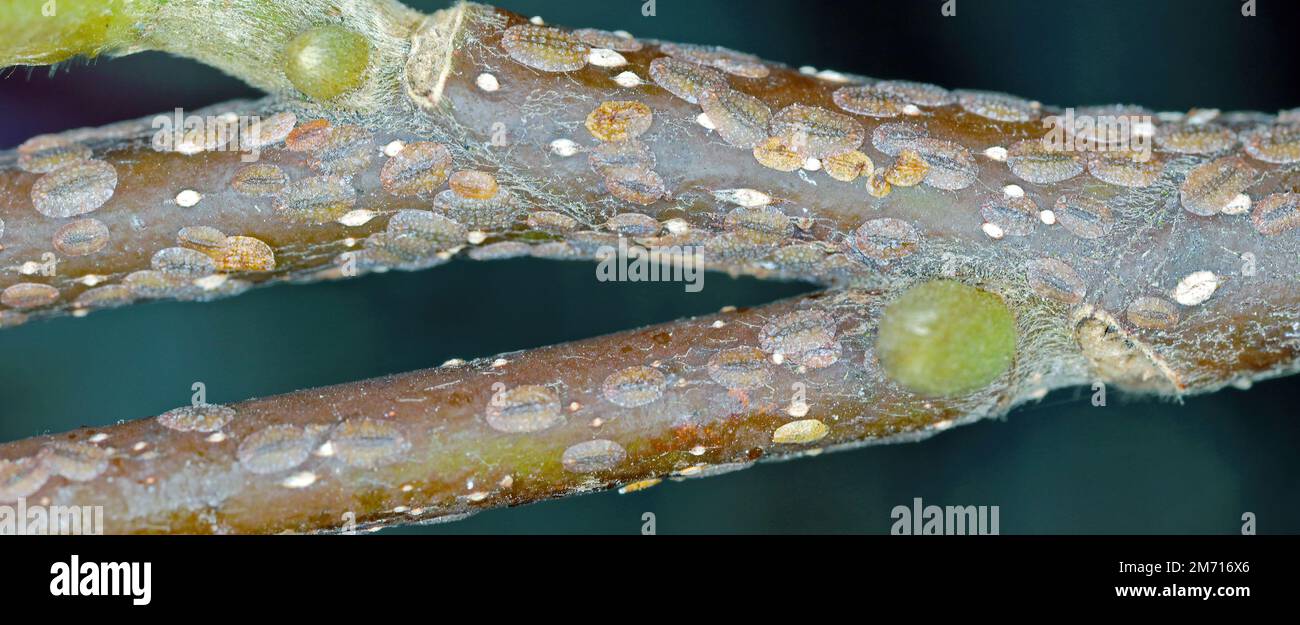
<point x="1063" y="466"/>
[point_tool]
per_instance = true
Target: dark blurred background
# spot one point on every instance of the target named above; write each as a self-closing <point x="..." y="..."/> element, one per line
<point x="1063" y="466"/>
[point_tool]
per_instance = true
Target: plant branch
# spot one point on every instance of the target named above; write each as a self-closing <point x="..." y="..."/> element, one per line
<point x="492" y="137"/>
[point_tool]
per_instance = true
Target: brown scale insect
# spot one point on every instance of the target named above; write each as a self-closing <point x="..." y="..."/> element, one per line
<point x="741" y="120"/>
<point x="1055" y="280"/>
<point x="75" y="461"/>
<point x="203" y="238"/>
<point x="740" y="246"/>
<point x="1034" y="161"/>
<point x="417" y="233"/>
<point x="635" y="185"/>
<point x="868" y="100"/>
<point x="82" y="237"/>
<point x="153" y="284"/>
<point x="619" y="120"/>
<point x="1108" y="128"/>
<point x="107" y="296"/>
<point x="1152" y="313"/>
<point x="800" y="257"/>
<point x="633" y="224"/>
<point x="1211" y="186"/>
<point x="886" y="239"/>
<point x="1085" y="216"/>
<point x="604" y="39"/>
<point x="183" y="262"/>
<point x="908" y="170"/>
<point x="609" y="156"/>
<point x="1275" y="144"/>
<point x="764" y="221"/>
<point x="240" y="253"/>
<point x="1277" y="213"/>
<point x="28" y="295"/>
<point x="806" y="337"/>
<point x="919" y="93"/>
<point x="593" y="456"/>
<point x="418" y="169"/>
<point x="997" y="106"/>
<point x="258" y="180"/>
<point x="269" y="131"/>
<point x="1014" y="216"/>
<point x="494" y="213"/>
<point x="685" y="80"/>
<point x="815" y="132"/>
<point x="634" y="386"/>
<point x="201" y="418"/>
<point x="76" y="188"/>
<point x="1124" y="168"/>
<point x="894" y="137"/>
<point x="43" y="157"/>
<point x="545" y="48"/>
<point x="740" y="368"/>
<point x="849" y="166"/>
<point x="345" y="150"/>
<point x="368" y="443"/>
<point x="552" y="222"/>
<point x="274" y="449"/>
<point x="527" y="408"/>
<point x="1194" y="138"/>
<point x="729" y="61"/>
<point x="316" y="200"/>
<point x="309" y="136"/>
<point x="778" y="153"/>
<point x="501" y="250"/>
<point x="949" y="166"/>
<point x="474" y="185"/>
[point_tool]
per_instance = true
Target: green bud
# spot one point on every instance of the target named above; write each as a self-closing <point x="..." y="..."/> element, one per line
<point x="943" y="338"/>
<point x="326" y="61"/>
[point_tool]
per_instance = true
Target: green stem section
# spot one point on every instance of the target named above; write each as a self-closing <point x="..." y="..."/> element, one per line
<point x="48" y="31"/>
<point x="249" y="39"/>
